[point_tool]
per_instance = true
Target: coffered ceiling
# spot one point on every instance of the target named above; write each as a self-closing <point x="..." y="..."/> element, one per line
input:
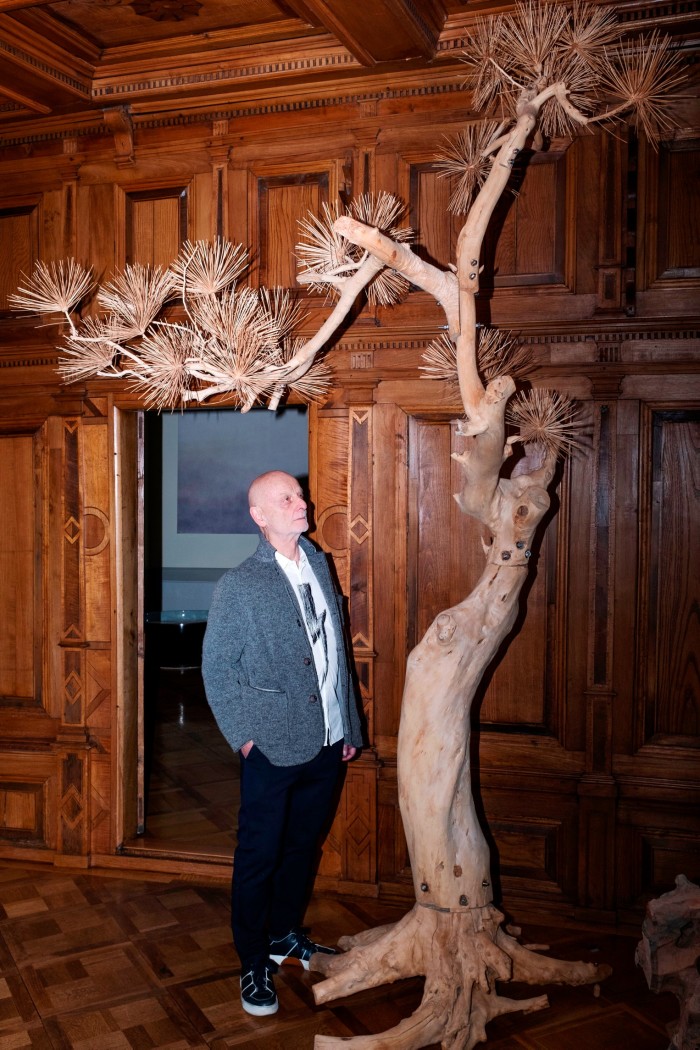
<point x="64" y="56"/>
<point x="74" y="59"/>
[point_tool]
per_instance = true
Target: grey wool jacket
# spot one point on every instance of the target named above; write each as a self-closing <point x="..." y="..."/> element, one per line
<point x="257" y="663"/>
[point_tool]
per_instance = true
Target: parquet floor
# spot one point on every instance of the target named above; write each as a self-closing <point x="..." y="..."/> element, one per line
<point x="192" y="776"/>
<point x="105" y="961"/>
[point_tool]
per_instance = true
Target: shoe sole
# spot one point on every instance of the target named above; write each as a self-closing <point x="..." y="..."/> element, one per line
<point x="259" y="1011"/>
<point x="290" y="960"/>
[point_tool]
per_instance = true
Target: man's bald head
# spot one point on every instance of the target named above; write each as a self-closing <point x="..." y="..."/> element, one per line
<point x="261" y="488"/>
<point x="278" y="508"/>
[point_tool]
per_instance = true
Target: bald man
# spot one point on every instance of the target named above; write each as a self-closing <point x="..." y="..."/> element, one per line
<point x="277" y="677"/>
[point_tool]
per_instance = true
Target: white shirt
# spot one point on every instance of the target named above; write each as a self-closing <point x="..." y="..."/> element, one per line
<point x="321" y="635"/>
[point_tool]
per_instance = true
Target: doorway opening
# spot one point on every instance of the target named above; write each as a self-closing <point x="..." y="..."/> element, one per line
<point x="193" y="526"/>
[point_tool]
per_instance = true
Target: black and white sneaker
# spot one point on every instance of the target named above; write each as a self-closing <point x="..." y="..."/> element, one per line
<point x="258" y="994"/>
<point x="295" y="947"/>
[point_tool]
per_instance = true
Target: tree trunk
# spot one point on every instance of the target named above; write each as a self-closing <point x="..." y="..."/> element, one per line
<point x="453" y="934"/>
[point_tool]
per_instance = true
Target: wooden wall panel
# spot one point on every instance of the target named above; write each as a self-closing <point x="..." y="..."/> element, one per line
<point x="102" y="822"/>
<point x="669" y="637"/>
<point x="678" y="238"/>
<point x="209" y="199"/>
<point x="19" y="245"/>
<point x="19" y="542"/>
<point x="23" y="812"/>
<point x="72" y="613"/>
<point x="391" y="612"/>
<point x="525" y="241"/>
<point x="445" y="559"/>
<point x="27" y="801"/>
<point x="657" y="840"/>
<point x="96" y="531"/>
<point x="669" y="228"/>
<point x="282" y="200"/>
<point x="57" y="231"/>
<point x="573" y="505"/>
<point x="340" y="453"/>
<point x="156" y="224"/>
<point x="535" y="843"/>
<point x="436" y="230"/>
<point x="97" y="229"/>
<point x="124" y="797"/>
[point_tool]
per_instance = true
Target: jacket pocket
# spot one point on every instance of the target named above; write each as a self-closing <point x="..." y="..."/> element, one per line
<point x="266" y="711"/>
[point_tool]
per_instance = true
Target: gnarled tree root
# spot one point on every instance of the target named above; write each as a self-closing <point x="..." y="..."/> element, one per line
<point x="461" y="954"/>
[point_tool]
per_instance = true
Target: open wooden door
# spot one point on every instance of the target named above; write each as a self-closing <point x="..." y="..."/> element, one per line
<point x="129" y="563"/>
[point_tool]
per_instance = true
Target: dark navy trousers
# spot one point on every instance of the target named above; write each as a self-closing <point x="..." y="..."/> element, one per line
<point x="284" y="810"/>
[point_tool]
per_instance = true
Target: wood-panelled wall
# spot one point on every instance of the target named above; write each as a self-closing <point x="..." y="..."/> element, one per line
<point x="588" y="729"/>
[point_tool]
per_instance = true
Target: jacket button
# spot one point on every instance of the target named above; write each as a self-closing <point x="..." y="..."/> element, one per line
<point x="313" y="698"/>
<point x="307" y="661"/>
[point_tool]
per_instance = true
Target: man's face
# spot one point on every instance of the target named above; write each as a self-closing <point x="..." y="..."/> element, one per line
<point x="279" y="507"/>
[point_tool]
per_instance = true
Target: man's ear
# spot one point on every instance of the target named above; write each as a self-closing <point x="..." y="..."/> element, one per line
<point x="258" y="517"/>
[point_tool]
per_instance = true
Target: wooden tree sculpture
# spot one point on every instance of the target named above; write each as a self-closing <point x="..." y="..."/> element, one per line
<point x="546" y="70"/>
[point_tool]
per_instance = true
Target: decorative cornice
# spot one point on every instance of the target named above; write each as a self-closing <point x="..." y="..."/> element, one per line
<point x="29" y="362"/>
<point x="655" y="15"/>
<point x="605" y="340"/>
<point x="87" y="124"/>
<point x="27" y="59"/>
<point x="232" y="70"/>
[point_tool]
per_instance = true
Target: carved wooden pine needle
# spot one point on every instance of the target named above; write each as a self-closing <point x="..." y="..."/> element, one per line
<point x="314" y="384"/>
<point x="440" y="358"/>
<point x="587" y="33"/>
<point x="498" y="353"/>
<point x="284" y="312"/>
<point x="485" y="78"/>
<point x="233" y="316"/>
<point x="547" y="418"/>
<point x="529" y="39"/>
<point x="464" y="159"/>
<point x="164" y="353"/>
<point x="328" y="259"/>
<point x="323" y="254"/>
<point x="135" y="297"/>
<point x="91" y="351"/>
<point x="644" y="76"/>
<point x="385" y="213"/>
<point x="207" y="267"/>
<point x="54" y="287"/>
<point x="575" y="63"/>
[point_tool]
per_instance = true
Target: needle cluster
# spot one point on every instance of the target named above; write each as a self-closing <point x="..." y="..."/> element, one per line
<point x="497" y="353"/>
<point x="226" y="339"/>
<point x="573" y="66"/>
<point x="548" y="419"/>
<point x="327" y="259"/>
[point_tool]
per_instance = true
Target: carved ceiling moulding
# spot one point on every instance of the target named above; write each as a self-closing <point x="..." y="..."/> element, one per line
<point x="55" y="128"/>
<point x="50" y="70"/>
<point x="165" y="81"/>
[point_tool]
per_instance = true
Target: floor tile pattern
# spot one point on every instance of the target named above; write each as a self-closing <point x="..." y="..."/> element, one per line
<point x="114" y="962"/>
<point x="192" y="791"/>
<point x="111" y="962"/>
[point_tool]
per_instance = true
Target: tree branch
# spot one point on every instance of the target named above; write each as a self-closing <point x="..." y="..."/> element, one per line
<point x="303" y="359"/>
<point x="441" y="284"/>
